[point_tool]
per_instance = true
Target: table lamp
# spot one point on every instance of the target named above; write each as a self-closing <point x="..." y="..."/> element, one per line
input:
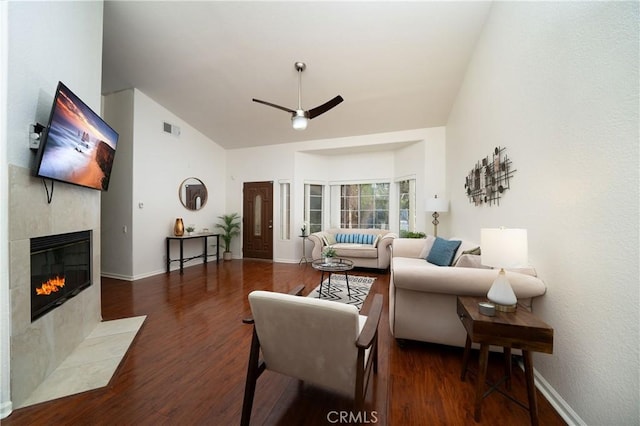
<point x="503" y="248"/>
<point x="436" y="205"/>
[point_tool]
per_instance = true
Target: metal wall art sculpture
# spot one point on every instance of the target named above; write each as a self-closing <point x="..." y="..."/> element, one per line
<point x="489" y="178"/>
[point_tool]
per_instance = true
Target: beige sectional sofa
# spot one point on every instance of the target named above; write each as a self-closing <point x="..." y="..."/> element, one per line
<point x="367" y="248"/>
<point x="422" y="296"/>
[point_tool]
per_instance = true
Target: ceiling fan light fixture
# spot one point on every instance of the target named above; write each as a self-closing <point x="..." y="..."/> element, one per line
<point x="299" y="120"/>
<point x="300" y="117"/>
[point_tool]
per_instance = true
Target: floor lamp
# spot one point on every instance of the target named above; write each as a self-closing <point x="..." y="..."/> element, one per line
<point x="436" y="205"/>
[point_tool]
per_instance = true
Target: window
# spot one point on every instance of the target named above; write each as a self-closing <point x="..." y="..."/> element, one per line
<point x="313" y="202"/>
<point x="364" y="206"/>
<point x="285" y="210"/>
<point x="407" y="206"/>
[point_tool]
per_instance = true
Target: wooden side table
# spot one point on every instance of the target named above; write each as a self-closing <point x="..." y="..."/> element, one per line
<point x="520" y="330"/>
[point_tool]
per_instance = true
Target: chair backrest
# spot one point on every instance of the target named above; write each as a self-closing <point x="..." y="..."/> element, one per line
<point x="311" y="339"/>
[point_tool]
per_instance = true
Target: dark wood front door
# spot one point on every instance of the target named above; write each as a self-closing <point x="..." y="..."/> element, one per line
<point x="257" y="228"/>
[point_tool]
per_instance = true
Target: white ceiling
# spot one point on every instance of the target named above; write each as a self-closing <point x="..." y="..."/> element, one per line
<point x="398" y="65"/>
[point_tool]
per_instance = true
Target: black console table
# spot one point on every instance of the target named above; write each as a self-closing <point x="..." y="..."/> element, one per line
<point x="204" y="255"/>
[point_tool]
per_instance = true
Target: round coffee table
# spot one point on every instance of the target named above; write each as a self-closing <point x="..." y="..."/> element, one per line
<point x="335" y="264"/>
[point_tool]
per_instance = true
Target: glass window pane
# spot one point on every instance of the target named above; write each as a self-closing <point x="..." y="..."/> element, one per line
<point x="315" y="203"/>
<point x="285" y="211"/>
<point x="366" y="189"/>
<point x="366" y="203"/>
<point x="257" y="216"/>
<point x="315" y="190"/>
<point x="315" y="217"/>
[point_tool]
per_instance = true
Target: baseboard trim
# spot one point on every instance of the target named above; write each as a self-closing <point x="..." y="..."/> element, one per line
<point x="557" y="402"/>
<point x="116" y="276"/>
<point x="6" y="408"/>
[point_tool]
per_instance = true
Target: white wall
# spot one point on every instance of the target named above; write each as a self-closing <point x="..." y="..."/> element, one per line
<point x="327" y="161"/>
<point x="47" y="42"/>
<point x="146" y="201"/>
<point x="5" y="305"/>
<point x="117" y="208"/>
<point x="556" y="83"/>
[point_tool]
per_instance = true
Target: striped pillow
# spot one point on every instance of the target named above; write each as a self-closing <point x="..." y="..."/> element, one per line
<point x="355" y="238"/>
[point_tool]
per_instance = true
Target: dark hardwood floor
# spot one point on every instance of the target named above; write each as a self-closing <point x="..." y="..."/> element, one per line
<point x="188" y="363"/>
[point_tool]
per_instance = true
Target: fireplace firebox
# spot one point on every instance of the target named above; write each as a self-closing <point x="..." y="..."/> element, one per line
<point x="60" y="269"/>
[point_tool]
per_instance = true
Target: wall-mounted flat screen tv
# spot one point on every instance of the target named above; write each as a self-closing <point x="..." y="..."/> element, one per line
<point x="77" y="146"/>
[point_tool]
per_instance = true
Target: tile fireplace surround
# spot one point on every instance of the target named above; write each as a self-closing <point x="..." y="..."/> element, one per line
<point x="38" y="348"/>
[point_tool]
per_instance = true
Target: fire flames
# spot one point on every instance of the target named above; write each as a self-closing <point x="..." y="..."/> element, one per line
<point x="51" y="286"/>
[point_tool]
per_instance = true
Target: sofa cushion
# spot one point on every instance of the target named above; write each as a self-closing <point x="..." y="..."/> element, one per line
<point x="328" y="239"/>
<point x="428" y="243"/>
<point x="470" y="261"/>
<point x="443" y="251"/>
<point x="466" y="246"/>
<point x="349" y="250"/>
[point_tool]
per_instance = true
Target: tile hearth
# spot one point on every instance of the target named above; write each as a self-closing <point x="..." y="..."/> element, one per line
<point x="92" y="364"/>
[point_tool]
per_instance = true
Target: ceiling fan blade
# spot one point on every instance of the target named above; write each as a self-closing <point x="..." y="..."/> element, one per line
<point x="289" y="110"/>
<point x="314" y="112"/>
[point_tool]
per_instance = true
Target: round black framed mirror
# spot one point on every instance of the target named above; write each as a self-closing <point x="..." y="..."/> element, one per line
<point x="193" y="193"/>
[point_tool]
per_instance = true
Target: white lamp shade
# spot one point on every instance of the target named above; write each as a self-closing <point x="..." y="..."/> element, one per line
<point x="504" y="248"/>
<point x="436" y="204"/>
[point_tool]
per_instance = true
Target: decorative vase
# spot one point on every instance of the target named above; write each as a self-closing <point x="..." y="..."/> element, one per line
<point x="178" y="228"/>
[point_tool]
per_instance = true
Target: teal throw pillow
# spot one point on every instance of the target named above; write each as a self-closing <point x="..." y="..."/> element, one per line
<point x="443" y="251"/>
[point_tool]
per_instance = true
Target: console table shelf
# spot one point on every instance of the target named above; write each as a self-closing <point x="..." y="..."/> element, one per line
<point x="204" y="256"/>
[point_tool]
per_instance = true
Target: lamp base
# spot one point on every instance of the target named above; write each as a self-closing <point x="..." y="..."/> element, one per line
<point x="501" y="294"/>
<point x="505" y="308"/>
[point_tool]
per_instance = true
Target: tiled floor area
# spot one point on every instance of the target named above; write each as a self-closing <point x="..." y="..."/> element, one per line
<point x="92" y="364"/>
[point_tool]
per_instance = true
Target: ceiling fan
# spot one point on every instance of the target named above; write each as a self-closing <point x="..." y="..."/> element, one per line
<point x="299" y="117"/>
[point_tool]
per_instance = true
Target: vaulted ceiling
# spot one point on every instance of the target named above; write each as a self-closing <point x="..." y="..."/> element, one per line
<point x="398" y="65"/>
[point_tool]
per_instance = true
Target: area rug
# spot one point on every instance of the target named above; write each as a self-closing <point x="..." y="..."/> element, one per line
<point x="337" y="292"/>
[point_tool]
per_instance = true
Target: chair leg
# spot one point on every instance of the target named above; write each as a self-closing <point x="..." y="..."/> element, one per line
<point x="253" y="372"/>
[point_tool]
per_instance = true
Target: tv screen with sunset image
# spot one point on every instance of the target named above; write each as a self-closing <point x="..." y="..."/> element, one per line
<point x="78" y="147"/>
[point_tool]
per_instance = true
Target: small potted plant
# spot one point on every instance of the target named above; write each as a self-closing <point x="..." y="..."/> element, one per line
<point x="190" y="229"/>
<point x="230" y="227"/>
<point x="328" y="254"/>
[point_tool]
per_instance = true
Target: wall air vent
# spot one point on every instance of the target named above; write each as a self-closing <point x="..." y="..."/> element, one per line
<point x="171" y="128"/>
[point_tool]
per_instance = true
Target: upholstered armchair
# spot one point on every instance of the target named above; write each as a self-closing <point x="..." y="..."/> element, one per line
<point x="318" y="341"/>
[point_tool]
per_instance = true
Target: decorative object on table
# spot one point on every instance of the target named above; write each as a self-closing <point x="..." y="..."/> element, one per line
<point x="503" y="248"/>
<point x="190" y="229"/>
<point x="303" y="229"/>
<point x="436" y="205"/>
<point x="230" y="227"/>
<point x="489" y="178"/>
<point x="337" y="291"/>
<point x="299" y="117"/>
<point x="328" y="254"/>
<point x="178" y="228"/>
<point x="486" y="308"/>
